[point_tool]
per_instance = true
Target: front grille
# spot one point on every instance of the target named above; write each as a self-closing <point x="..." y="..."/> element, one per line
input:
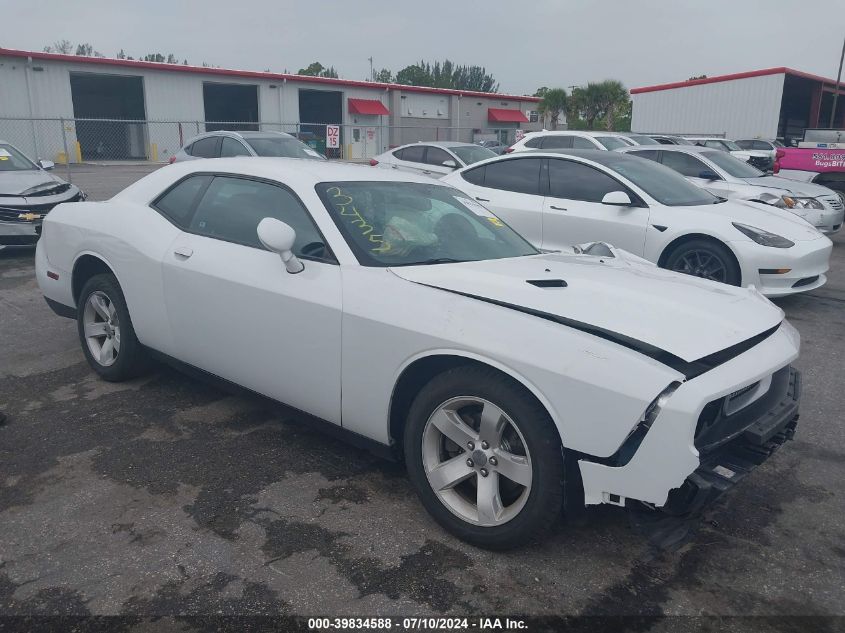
<point x="11" y="213"/>
<point x="717" y="424"/>
<point x="832" y="202"/>
<point x="806" y="281"/>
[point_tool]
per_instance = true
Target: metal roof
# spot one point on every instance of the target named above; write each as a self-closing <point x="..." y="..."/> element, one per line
<point x="781" y="70"/>
<point x="181" y="68"/>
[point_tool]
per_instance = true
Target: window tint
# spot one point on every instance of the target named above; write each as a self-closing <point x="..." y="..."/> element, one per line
<point x="436" y="156"/>
<point x="554" y="141"/>
<point x="475" y="176"/>
<point x="611" y="142"/>
<point x="745" y="144"/>
<point x="650" y="154"/>
<point x="232" y="208"/>
<point x="231" y="147"/>
<point x="178" y="203"/>
<point x="413" y="154"/>
<point x="579" y="142"/>
<point x="520" y="175"/>
<point x="684" y="164"/>
<point x="205" y="147"/>
<point x="537" y="141"/>
<point x="575" y="181"/>
<point x="760" y="145"/>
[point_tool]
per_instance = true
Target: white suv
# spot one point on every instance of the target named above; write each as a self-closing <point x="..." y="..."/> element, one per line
<point x="569" y="140"/>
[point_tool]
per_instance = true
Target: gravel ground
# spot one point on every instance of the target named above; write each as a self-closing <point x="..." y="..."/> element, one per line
<point x="166" y="495"/>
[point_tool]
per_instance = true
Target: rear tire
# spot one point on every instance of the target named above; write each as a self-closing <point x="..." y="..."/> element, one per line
<point x="707" y="259"/>
<point x="494" y="478"/>
<point x="106" y="333"/>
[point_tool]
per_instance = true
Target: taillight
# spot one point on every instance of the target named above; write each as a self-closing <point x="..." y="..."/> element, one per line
<point x="776" y="167"/>
<point x="779" y="153"/>
<point x="373" y="162"/>
<point x="508" y="150"/>
<point x="172" y="159"/>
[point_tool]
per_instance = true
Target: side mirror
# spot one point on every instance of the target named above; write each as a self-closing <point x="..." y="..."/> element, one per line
<point x="708" y="174"/>
<point x="450" y="163"/>
<point x="279" y="238"/>
<point x="617" y="198"/>
<point x="46" y="164"/>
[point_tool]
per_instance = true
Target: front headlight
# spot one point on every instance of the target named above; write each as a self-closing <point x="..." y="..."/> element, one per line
<point x="792" y="202"/>
<point x="764" y="238"/>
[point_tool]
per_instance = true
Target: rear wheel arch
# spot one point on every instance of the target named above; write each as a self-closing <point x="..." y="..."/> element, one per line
<point x="86" y="266"/>
<point x="418" y="372"/>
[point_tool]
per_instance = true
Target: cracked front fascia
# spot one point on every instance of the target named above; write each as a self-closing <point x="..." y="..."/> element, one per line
<point x="667" y="455"/>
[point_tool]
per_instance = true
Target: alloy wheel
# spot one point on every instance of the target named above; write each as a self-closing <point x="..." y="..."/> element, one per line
<point x="476" y="461"/>
<point x="102" y="328"/>
<point x="702" y="263"/>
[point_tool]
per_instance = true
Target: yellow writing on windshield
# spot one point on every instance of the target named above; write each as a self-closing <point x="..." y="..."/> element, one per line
<point x="346" y="206"/>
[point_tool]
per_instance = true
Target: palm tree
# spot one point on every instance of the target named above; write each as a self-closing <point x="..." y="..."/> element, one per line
<point x="599" y="100"/>
<point x="615" y="97"/>
<point x="555" y="101"/>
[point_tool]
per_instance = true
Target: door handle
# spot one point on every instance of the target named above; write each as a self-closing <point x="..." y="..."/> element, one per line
<point x="482" y="199"/>
<point x="183" y="252"/>
<point x="551" y="206"/>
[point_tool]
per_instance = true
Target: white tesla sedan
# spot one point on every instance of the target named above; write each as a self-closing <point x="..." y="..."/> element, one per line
<point x="408" y="315"/>
<point x="572" y="196"/>
<point x="723" y="175"/>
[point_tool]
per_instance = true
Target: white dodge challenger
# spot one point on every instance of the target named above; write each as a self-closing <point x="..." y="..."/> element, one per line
<point x="514" y="383"/>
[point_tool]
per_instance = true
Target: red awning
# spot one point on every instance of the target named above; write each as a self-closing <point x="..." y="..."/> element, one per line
<point x="503" y="115"/>
<point x="367" y="106"/>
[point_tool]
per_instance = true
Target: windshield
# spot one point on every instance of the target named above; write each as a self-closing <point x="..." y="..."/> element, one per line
<point x="281" y="146"/>
<point x="663" y="184"/>
<point x="642" y="140"/>
<point x="777" y="143"/>
<point x="731" y="146"/>
<point x="404" y="223"/>
<point x="732" y="165"/>
<point x="611" y="142"/>
<point x="472" y="153"/>
<point x="12" y="160"/>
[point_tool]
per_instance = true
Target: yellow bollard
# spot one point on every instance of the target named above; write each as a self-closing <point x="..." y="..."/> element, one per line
<point x="154" y="152"/>
<point x="61" y="158"/>
<point x="78" y="152"/>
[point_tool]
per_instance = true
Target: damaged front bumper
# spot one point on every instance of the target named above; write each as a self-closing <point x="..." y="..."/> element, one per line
<point x="712" y="431"/>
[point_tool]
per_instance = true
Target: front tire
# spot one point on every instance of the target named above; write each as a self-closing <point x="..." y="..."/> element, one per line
<point x="707" y="259"/>
<point x="106" y="333"/>
<point x="484" y="457"/>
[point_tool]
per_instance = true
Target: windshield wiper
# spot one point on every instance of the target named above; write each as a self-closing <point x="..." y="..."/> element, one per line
<point x="436" y="260"/>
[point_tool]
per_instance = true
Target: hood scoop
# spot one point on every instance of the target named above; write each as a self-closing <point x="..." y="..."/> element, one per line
<point x="547" y="283"/>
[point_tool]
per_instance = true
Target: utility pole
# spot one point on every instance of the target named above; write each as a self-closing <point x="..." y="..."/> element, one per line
<point x="373" y="74"/>
<point x="836" y="88"/>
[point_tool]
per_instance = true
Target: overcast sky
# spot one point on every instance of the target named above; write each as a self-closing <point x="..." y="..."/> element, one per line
<point x="524" y="44"/>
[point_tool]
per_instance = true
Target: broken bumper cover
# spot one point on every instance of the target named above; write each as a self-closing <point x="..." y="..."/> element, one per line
<point x="681" y="448"/>
<point x="725" y="466"/>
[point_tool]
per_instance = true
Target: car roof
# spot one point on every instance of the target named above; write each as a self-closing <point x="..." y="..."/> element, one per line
<point x="437" y="144"/>
<point x="240" y="134"/>
<point x="294" y="172"/>
<point x="586" y="133"/>
<point x="687" y="149"/>
<point x="598" y="155"/>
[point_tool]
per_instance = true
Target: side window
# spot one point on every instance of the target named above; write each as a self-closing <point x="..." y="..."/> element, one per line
<point x="650" y="154"/>
<point x="232" y="147"/>
<point x="205" y="147"/>
<point x="475" y="176"/>
<point x="760" y="145"/>
<point x="178" y="203"/>
<point x="554" y="141"/>
<point x="414" y="153"/>
<point x="232" y="207"/>
<point x="520" y="175"/>
<point x="575" y="181"/>
<point x="535" y="142"/>
<point x="189" y="149"/>
<point x="745" y="144"/>
<point x="684" y="164"/>
<point x="579" y="142"/>
<point x="436" y="156"/>
<point x="399" y="153"/>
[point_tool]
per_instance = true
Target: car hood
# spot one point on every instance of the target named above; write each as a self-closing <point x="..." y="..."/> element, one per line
<point x="763" y="216"/>
<point x="687" y="317"/>
<point x="13" y="183"/>
<point x="795" y="187"/>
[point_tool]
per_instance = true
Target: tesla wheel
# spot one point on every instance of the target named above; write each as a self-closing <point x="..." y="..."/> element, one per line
<point x="484" y="457"/>
<point x="106" y="333"/>
<point x="706" y="259"/>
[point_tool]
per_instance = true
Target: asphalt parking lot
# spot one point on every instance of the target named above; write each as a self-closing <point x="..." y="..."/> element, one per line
<point x="167" y="495"/>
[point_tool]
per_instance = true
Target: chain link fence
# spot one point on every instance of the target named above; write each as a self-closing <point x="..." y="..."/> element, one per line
<point x="67" y="141"/>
